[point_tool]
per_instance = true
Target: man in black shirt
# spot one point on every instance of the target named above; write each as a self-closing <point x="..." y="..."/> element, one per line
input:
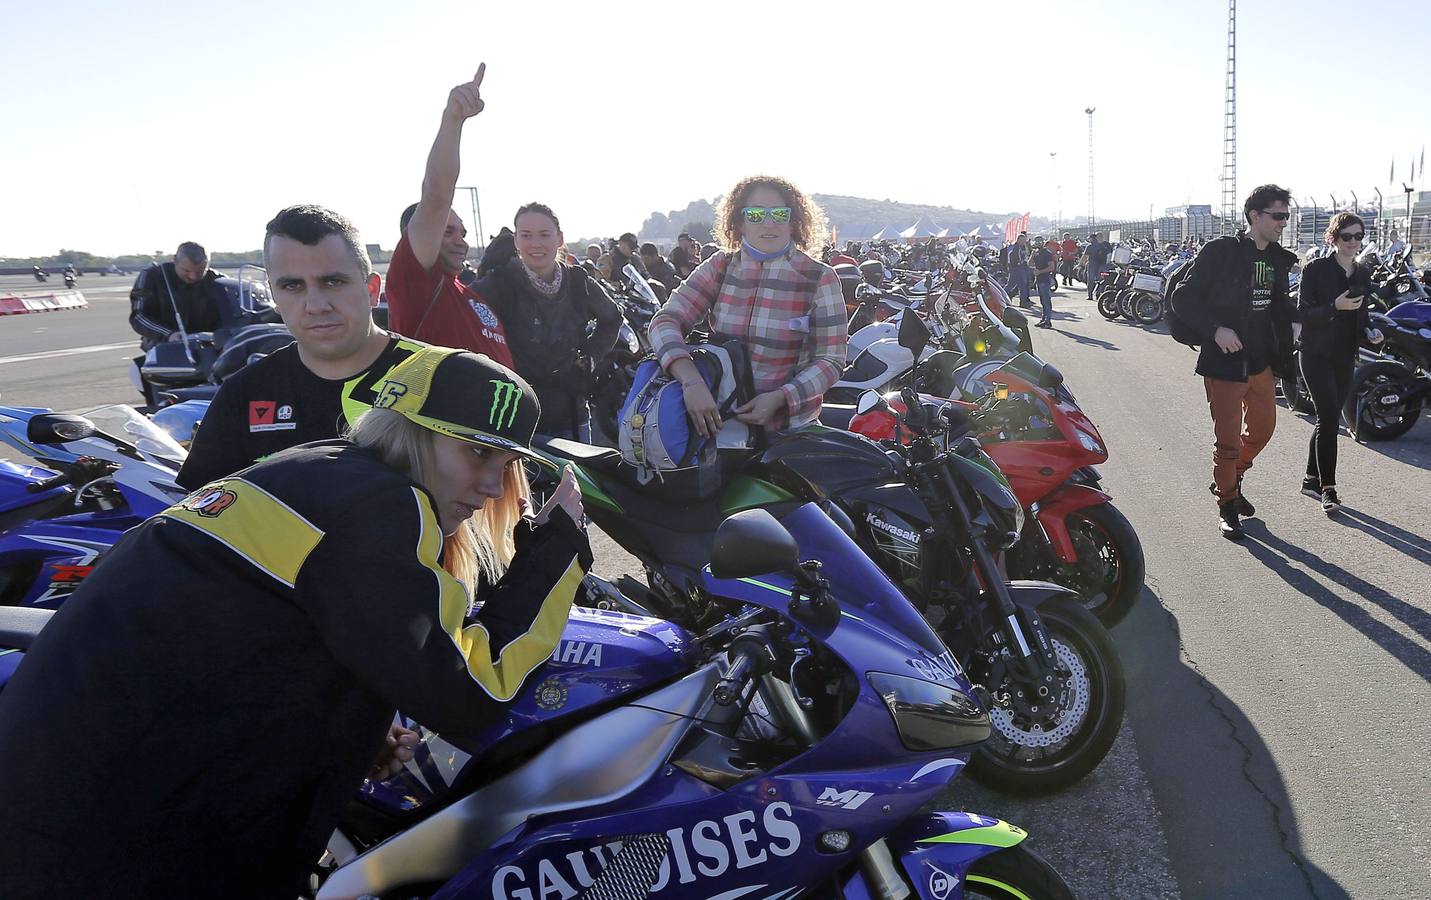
<point x="312" y="389"/>
<point x="685" y="257"/>
<point x="1097" y="252"/>
<point x="183" y="292"/>
<point x="1235" y="301"/>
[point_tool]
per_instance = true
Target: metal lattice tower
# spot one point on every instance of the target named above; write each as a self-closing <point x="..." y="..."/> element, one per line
<point x="1091" y="220"/>
<point x="1229" y="125"/>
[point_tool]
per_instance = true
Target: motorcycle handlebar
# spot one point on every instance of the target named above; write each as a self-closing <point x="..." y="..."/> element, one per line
<point x="40" y="487"/>
<point x="749" y="658"/>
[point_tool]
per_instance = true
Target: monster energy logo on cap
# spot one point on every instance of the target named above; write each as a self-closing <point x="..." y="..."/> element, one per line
<point x="505" y="398"/>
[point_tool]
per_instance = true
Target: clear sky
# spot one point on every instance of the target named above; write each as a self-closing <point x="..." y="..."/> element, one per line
<point x="132" y="126"/>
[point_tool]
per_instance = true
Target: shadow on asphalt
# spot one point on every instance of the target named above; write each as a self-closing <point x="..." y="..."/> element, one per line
<point x="1412" y="449"/>
<point x="1084" y="339"/>
<point x="1279" y="556"/>
<point x="1393" y="536"/>
<point x="1230" y="826"/>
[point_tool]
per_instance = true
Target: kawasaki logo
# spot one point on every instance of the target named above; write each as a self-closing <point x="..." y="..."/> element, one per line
<point x="505" y="398"/>
<point x="902" y="533"/>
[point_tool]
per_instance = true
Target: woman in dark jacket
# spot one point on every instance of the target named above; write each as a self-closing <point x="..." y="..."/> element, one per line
<point x="546" y="308"/>
<point x="1334" y="316"/>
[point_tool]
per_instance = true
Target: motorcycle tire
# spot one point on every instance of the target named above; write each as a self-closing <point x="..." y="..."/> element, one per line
<point x="1147" y="308"/>
<point x="1109" y="573"/>
<point x="1366" y="412"/>
<point x="1015" y="759"/>
<point x="1107" y="304"/>
<point x="1015" y="873"/>
<point x="1125" y="304"/>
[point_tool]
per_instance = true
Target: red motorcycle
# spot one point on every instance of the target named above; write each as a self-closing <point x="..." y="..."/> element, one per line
<point x="1032" y="428"/>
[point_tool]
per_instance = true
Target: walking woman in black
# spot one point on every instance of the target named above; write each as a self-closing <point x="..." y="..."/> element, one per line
<point x="1332" y="307"/>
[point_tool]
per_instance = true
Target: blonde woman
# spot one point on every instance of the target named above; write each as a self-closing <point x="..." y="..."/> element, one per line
<point x="252" y="644"/>
<point x="767" y="291"/>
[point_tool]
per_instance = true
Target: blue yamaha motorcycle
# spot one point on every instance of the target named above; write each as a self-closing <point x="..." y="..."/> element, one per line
<point x="785" y="752"/>
<point x="98" y="475"/>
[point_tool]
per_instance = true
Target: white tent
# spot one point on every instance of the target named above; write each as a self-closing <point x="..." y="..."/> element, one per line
<point x="887" y="233"/>
<point x="921" y="229"/>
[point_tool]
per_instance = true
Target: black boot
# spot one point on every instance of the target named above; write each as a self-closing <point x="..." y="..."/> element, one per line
<point x="1228" y="520"/>
<point x="1245" y="509"/>
<point x="1312" y="486"/>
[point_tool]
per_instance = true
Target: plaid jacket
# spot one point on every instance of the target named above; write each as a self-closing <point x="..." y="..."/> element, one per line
<point x="789" y="312"/>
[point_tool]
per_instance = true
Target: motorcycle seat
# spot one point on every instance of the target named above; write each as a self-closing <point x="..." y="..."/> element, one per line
<point x="599" y="459"/>
<point x="20" y="625"/>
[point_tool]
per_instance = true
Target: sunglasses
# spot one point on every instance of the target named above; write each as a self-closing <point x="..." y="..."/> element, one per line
<point x="1279" y="216"/>
<point x="1351" y="236"/>
<point x="756" y="214"/>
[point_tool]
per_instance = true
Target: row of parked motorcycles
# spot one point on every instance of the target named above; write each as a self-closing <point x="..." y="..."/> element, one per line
<point x="920" y="585"/>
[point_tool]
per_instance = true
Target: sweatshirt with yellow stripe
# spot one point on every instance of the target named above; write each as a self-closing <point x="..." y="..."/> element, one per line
<point x="214" y="693"/>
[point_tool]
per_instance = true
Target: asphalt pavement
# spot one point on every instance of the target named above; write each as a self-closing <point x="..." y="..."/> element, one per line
<point x="1276" y="738"/>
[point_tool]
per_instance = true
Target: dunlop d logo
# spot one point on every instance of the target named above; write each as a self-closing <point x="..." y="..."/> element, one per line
<point x="505" y="398"/>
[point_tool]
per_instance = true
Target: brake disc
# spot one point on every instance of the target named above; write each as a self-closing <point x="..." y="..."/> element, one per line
<point x="1071" y="706"/>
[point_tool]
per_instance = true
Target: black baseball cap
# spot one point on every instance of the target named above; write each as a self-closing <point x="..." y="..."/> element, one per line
<point x="466" y="396"/>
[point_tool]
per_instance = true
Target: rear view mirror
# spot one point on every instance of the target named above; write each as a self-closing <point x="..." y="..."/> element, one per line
<point x="58" y="428"/>
<point x="914" y="335"/>
<point x="753" y="543"/>
<point x="1050" y="376"/>
<point x="868" y="402"/>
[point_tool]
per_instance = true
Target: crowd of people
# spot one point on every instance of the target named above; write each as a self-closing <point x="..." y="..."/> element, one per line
<point x="360" y="536"/>
<point x="361" y="496"/>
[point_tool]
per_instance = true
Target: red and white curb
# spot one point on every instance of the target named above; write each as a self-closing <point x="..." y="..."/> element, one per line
<point x="20" y="304"/>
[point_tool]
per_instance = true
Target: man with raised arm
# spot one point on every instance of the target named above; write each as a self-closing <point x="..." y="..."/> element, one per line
<point x="425" y="299"/>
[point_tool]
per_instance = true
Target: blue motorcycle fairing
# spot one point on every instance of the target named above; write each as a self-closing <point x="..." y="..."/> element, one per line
<point x="759" y="839"/>
<point x="66" y="549"/>
<point x="883" y="634"/>
<point x="937" y="850"/>
<point x="15" y="480"/>
<point x="602" y="656"/>
<point x="9" y="662"/>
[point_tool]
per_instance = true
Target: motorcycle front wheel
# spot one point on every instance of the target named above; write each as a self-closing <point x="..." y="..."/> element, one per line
<point x="1107" y="303"/>
<point x="1377" y="407"/>
<point x="1016" y="873"/>
<point x="1054" y="746"/>
<point x="1109" y="571"/>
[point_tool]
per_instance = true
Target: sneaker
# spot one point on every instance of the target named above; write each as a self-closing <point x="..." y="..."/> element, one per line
<point x="1043" y="323"/>
<point x="1330" y="501"/>
<point x="1312" y="486"/>
<point x="1228" y="521"/>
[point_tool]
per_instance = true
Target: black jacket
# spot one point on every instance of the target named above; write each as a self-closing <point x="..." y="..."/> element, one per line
<point x="1217" y="292"/>
<point x="545" y="334"/>
<point x="1323" y="280"/>
<point x="204" y="306"/>
<point x="194" y="719"/>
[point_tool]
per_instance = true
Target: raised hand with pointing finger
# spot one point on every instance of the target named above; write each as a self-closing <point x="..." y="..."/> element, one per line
<point x="465" y="100"/>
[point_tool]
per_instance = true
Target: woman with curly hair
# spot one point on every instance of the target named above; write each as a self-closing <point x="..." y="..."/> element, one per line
<point x="766" y="291"/>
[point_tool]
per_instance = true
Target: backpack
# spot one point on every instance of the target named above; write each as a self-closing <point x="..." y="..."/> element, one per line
<point x="1181" y="330"/>
<point x="655" y="436"/>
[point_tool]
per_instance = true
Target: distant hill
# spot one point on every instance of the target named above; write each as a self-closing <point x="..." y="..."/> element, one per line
<point x="854" y="217"/>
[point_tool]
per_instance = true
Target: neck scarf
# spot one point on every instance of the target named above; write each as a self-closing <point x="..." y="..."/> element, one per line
<point x="763" y="257"/>
<point x="545" y="288"/>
